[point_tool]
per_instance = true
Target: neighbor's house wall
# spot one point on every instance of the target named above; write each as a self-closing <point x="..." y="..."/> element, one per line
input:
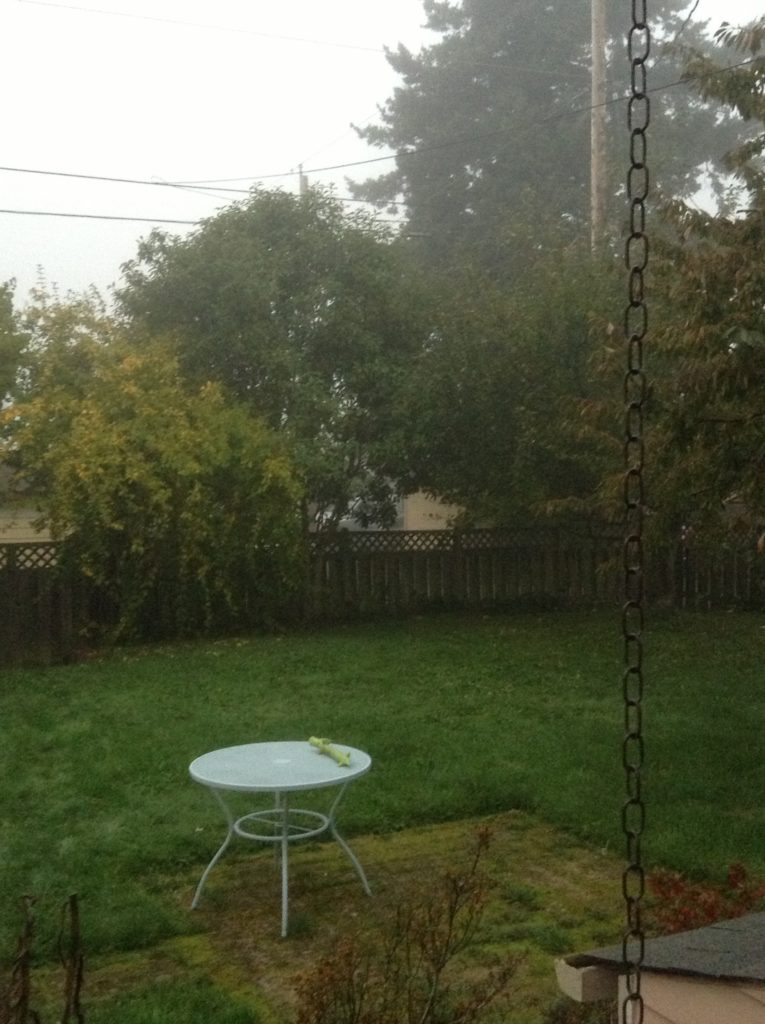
<point x="420" y="512"/>
<point x="669" y="999"/>
<point x="16" y="526"/>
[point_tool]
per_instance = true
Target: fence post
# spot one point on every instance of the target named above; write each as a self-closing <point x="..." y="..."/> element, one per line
<point x="458" y="569"/>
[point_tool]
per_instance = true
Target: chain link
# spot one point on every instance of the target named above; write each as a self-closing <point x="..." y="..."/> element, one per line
<point x="635" y="330"/>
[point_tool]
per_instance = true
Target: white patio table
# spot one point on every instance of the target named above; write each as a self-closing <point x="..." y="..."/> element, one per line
<point x="281" y="768"/>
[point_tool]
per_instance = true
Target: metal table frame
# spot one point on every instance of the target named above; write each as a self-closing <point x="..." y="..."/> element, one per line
<point x="280" y="768"/>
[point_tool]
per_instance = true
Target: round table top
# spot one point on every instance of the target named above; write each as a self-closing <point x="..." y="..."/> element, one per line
<point x="276" y="767"/>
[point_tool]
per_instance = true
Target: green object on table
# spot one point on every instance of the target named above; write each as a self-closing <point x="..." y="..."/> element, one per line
<point x="325" y="747"/>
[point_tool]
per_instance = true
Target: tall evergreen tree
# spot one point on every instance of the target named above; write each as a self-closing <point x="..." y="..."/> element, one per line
<point x="491" y="123"/>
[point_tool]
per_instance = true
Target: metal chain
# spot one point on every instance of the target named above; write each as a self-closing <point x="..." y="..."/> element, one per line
<point x="635" y="330"/>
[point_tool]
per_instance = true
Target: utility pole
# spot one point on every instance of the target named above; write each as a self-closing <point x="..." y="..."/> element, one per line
<point x="302" y="180"/>
<point x="598" y="125"/>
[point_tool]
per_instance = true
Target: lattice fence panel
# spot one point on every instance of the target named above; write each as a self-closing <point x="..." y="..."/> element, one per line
<point x="383" y="541"/>
<point x="42" y="555"/>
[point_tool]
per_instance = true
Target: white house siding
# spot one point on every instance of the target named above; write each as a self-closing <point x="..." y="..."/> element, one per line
<point x="421" y="512"/>
<point x="669" y="999"/>
<point x="16" y="526"/>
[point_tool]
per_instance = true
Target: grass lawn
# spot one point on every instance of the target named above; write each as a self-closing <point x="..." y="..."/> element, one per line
<point x="463" y="716"/>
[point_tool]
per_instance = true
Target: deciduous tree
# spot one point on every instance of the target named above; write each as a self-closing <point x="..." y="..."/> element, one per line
<point x="705" y="400"/>
<point x="178" y="504"/>
<point x="12" y="340"/>
<point x="493" y="405"/>
<point x="308" y="315"/>
<point x="709" y="400"/>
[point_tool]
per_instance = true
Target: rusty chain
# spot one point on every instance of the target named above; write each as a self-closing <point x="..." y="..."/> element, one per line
<point x="635" y="331"/>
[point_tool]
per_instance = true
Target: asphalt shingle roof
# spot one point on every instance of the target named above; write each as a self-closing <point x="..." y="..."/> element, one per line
<point x="731" y="950"/>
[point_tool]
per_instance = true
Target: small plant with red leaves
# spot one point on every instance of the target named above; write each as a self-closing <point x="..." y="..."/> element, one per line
<point x="680" y="905"/>
<point x="407" y="977"/>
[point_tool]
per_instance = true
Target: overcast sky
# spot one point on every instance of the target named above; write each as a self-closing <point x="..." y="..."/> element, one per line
<point x="182" y="91"/>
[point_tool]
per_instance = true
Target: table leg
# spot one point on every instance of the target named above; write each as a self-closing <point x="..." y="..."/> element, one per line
<point x="349" y="852"/>
<point x="285" y="863"/>
<point x="277" y="846"/>
<point x="281" y="839"/>
<point x="221" y="850"/>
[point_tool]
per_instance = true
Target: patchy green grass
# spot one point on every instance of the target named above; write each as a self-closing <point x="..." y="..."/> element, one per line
<point x="196" y="1002"/>
<point x="463" y="716"/>
<point x="548" y="895"/>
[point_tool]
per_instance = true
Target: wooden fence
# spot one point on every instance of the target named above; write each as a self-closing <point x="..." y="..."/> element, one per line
<point x="400" y="571"/>
<point x="42" y="613"/>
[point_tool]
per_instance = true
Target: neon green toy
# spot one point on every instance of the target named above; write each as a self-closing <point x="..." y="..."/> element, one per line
<point x="325" y="747"/>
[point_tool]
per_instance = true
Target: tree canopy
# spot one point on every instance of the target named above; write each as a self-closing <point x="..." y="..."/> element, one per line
<point x="709" y="401"/>
<point x="514" y="404"/>
<point x="176" y="502"/>
<point x="299" y="355"/>
<point x="13" y="340"/>
<point x="491" y="411"/>
<point x="306" y="314"/>
<point x="491" y="124"/>
<point x="705" y="403"/>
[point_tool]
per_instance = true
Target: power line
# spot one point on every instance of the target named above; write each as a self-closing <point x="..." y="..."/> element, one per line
<point x="98" y="216"/>
<point x="194" y="189"/>
<point x="219" y="183"/>
<point x="103" y="177"/>
<point x="198" y="190"/>
<point x="238" y="30"/>
<point x="146" y="220"/>
<point x="307" y="170"/>
<point x="461" y="140"/>
<point x="205" y="192"/>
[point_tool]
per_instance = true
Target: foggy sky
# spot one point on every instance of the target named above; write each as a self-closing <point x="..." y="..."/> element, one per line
<point x="186" y="91"/>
